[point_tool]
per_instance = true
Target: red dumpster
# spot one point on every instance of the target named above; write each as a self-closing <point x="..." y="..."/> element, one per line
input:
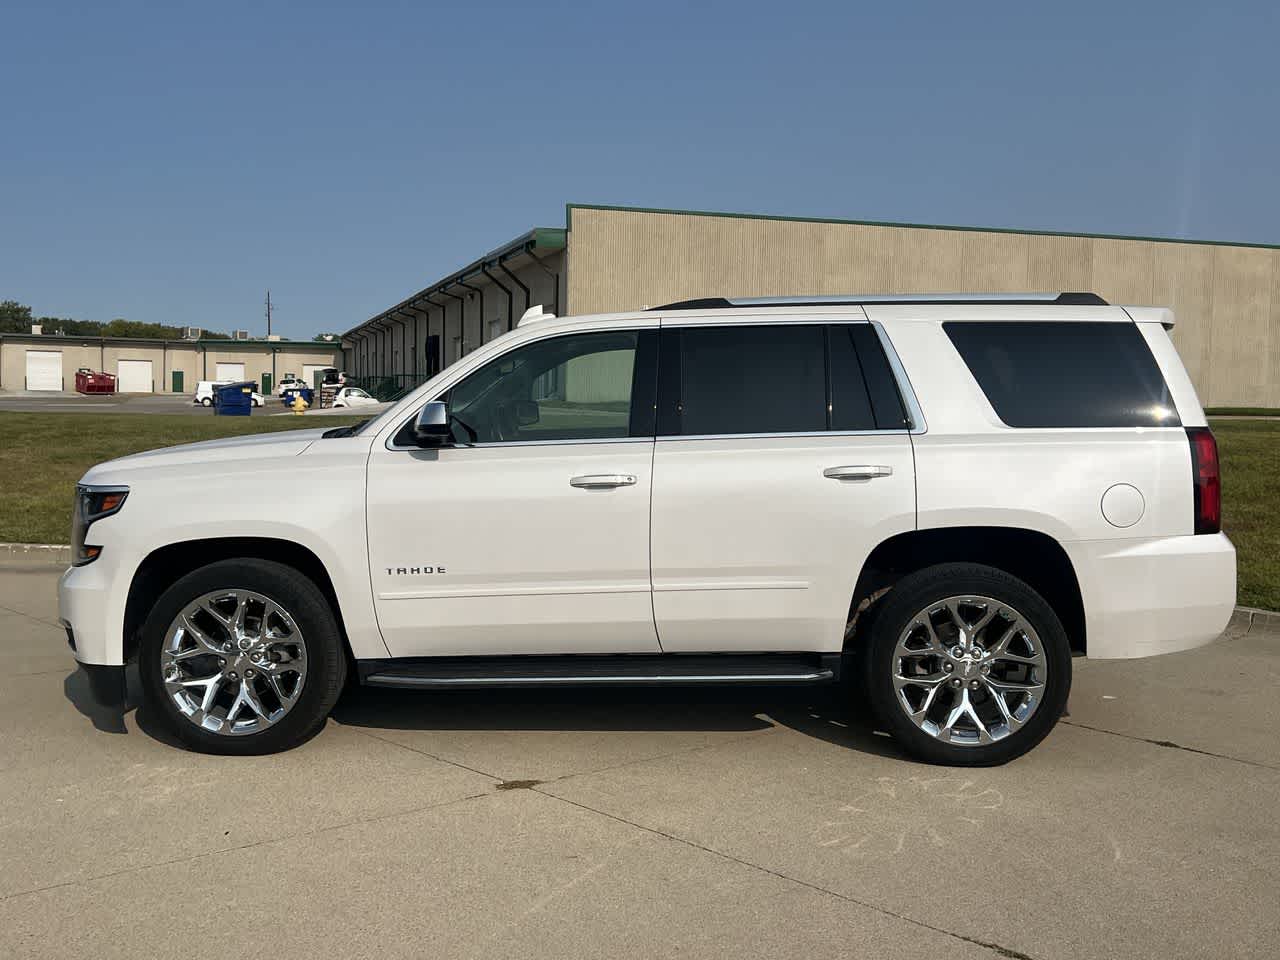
<point x="87" y="381"/>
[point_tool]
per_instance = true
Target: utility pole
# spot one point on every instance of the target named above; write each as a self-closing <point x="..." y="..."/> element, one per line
<point x="268" y="313"/>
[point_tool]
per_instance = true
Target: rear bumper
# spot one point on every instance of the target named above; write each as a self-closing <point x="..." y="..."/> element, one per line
<point x="1147" y="597"/>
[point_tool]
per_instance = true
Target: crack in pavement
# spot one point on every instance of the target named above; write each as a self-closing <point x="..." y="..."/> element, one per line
<point x="1169" y="744"/>
<point x="31" y="616"/>
<point x="998" y="949"/>
<point x="424" y="753"/>
<point x="243" y="846"/>
<point x="566" y="776"/>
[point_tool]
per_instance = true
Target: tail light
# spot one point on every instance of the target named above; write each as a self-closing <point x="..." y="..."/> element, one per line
<point x="1206" y="480"/>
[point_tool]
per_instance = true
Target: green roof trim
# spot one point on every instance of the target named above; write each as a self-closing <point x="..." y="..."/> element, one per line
<point x="570" y="207"/>
<point x="550" y="238"/>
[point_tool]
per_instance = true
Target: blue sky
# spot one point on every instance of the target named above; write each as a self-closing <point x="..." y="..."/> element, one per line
<point x="170" y="161"/>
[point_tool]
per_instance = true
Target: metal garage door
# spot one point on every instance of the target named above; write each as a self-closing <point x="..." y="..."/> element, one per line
<point x="44" y="369"/>
<point x="229" y="371"/>
<point x="133" y="376"/>
<point x="309" y="371"/>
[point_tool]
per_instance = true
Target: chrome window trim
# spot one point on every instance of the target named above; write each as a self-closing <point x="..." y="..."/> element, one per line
<point x="517" y="443"/>
<point x="907" y="392"/>
<point x="661" y="438"/>
<point x="785" y="435"/>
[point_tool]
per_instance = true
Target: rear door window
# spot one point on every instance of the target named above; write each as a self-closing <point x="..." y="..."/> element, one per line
<point x="1065" y="374"/>
<point x="752" y="379"/>
<point x="775" y="379"/>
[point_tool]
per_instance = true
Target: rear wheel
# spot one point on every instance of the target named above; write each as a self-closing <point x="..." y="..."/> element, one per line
<point x="206" y="402"/>
<point x="242" y="657"/>
<point x="967" y="665"/>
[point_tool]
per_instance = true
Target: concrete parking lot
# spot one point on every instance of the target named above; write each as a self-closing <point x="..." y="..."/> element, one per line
<point x="694" y="823"/>
<point x="26" y="401"/>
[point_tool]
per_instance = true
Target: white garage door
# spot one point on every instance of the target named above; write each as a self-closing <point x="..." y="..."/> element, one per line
<point x="229" y="371"/>
<point x="44" y="369"/>
<point x="309" y="371"/>
<point x="133" y="376"/>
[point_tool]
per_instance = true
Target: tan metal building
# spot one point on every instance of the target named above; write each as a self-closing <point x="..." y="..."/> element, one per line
<point x="49" y="363"/>
<point x="1226" y="295"/>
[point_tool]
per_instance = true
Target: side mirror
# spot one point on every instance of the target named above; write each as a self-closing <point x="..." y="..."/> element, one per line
<point x="431" y="428"/>
<point x="527" y="413"/>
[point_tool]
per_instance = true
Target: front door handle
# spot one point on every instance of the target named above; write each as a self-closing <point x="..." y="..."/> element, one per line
<point x="861" y="472"/>
<point x="602" y="481"/>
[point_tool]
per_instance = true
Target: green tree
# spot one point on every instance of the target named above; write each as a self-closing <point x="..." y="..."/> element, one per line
<point x="15" y="317"/>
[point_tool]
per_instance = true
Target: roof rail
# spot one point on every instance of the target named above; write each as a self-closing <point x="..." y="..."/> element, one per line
<point x="986" y="299"/>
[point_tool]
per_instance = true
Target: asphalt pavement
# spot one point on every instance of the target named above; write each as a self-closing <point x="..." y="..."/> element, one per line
<point x="694" y="823"/>
<point x="30" y="401"/>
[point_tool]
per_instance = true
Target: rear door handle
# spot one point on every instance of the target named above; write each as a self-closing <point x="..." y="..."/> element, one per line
<point x="599" y="481"/>
<point x="860" y="472"/>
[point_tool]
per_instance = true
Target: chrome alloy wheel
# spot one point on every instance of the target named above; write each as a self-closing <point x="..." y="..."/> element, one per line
<point x="969" y="670"/>
<point x="233" y="662"/>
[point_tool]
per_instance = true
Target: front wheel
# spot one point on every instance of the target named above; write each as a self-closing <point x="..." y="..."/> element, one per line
<point x="967" y="665"/>
<point x="242" y="657"/>
<point x="206" y="402"/>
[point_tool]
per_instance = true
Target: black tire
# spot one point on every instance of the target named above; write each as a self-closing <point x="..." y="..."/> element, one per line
<point x="206" y="402"/>
<point x="914" y="593"/>
<point x="325" y="653"/>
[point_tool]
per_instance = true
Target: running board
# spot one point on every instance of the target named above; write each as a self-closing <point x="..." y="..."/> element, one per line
<point x="620" y="670"/>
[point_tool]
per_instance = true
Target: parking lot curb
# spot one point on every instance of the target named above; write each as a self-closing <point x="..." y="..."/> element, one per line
<point x="35" y="554"/>
<point x="1255" y="620"/>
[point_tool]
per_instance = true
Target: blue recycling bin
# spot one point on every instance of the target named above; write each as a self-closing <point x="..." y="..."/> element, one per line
<point x="306" y="392"/>
<point x="233" y="399"/>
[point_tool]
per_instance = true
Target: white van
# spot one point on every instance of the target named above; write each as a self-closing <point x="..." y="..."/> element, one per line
<point x="204" y="393"/>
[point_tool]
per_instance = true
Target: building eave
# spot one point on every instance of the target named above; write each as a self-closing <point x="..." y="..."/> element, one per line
<point x="539" y="240"/>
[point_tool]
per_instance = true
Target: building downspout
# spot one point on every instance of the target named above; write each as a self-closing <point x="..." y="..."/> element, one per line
<point x="404" y="338"/>
<point x="555" y="277"/>
<point x="511" y="320"/>
<point x="462" y="321"/>
<point x="484" y="268"/>
<point x="467" y="286"/>
<point x="444" y="317"/>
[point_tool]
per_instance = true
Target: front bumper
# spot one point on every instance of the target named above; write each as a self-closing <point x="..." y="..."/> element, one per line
<point x="91" y="601"/>
<point x="1152" y="596"/>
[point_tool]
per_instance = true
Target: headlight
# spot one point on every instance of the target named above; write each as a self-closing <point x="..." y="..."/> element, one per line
<point x="92" y="503"/>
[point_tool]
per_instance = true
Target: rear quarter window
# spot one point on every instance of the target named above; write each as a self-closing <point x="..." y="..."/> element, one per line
<point x="1065" y="374"/>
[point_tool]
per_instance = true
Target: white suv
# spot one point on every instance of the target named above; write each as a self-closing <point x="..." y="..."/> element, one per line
<point x="937" y="500"/>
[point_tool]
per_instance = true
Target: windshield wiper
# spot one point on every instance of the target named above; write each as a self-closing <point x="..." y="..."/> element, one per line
<point x="345" y="431"/>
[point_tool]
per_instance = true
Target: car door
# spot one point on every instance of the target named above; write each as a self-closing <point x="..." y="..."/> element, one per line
<point x="529" y="532"/>
<point x="783" y="457"/>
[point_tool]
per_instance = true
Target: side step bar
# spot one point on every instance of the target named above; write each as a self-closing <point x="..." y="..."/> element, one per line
<point x="620" y="670"/>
